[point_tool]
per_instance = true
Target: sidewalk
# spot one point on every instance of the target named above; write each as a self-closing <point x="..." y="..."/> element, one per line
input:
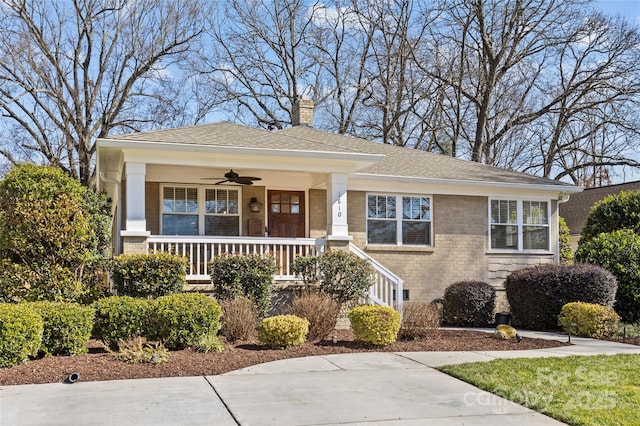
<point x="357" y="389"/>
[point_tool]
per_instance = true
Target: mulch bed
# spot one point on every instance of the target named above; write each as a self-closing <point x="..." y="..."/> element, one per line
<point x="98" y="364"/>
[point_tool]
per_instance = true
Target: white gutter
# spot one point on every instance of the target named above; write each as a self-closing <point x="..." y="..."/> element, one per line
<point x="473" y="183"/>
<point x="172" y="146"/>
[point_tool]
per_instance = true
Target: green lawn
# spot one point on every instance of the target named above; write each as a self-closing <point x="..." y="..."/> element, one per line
<point x="578" y="390"/>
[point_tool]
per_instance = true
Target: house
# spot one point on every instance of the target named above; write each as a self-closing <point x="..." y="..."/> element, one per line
<point x="576" y="210"/>
<point x="424" y="221"/>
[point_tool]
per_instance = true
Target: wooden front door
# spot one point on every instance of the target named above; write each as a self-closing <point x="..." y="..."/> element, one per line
<point x="286" y="214"/>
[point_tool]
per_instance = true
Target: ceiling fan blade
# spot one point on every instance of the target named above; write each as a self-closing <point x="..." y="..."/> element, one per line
<point x="244" y="180"/>
<point x="222" y="181"/>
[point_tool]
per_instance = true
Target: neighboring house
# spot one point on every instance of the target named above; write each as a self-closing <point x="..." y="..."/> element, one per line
<point x="576" y="210"/>
<point x="425" y="220"/>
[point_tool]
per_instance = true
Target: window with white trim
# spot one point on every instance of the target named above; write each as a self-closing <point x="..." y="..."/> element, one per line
<point x="200" y="211"/>
<point x="180" y="211"/>
<point x="399" y="219"/>
<point x="519" y="225"/>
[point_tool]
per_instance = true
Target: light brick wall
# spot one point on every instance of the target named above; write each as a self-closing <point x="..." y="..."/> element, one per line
<point x="459" y="252"/>
<point x="317" y="213"/>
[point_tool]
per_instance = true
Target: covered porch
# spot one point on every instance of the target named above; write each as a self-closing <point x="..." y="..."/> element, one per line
<point x="177" y="199"/>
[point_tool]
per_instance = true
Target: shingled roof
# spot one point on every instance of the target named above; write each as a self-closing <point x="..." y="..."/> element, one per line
<point x="397" y="161"/>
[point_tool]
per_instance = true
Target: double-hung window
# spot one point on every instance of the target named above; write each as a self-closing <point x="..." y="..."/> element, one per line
<point x="200" y="211"/>
<point x="398" y="219"/>
<point x="221" y="213"/>
<point x="519" y="225"/>
<point x="180" y="211"/>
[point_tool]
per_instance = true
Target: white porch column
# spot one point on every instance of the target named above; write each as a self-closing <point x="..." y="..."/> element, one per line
<point x="136" y="223"/>
<point x="337" y="227"/>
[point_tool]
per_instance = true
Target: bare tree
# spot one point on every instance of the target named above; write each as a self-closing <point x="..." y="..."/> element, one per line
<point x="341" y="46"/>
<point x="259" y="60"/>
<point x="71" y="72"/>
<point x="593" y="124"/>
<point x="397" y="92"/>
<point x="532" y="85"/>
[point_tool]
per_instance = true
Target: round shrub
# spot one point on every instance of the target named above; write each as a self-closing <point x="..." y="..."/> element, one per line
<point x="67" y="327"/>
<point x="590" y="320"/>
<point x="120" y="318"/>
<point x="378" y="325"/>
<point x="250" y="276"/>
<point x="469" y="304"/>
<point x="615" y="212"/>
<point x="181" y="320"/>
<point x="283" y="331"/>
<point x="536" y="294"/>
<point x="149" y="275"/>
<point x="20" y="333"/>
<point x="619" y="253"/>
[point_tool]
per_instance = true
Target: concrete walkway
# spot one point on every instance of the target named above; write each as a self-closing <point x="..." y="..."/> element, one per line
<point x="356" y="389"/>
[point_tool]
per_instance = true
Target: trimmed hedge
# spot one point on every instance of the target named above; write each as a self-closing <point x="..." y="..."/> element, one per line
<point x="181" y="320"/>
<point x="590" y="320"/>
<point x="248" y="276"/>
<point x="537" y="294"/>
<point x="283" y="331"/>
<point x="67" y="327"/>
<point x="378" y="325"/>
<point x="21" y="330"/>
<point x="149" y="275"/>
<point x="469" y="304"/>
<point x="120" y="318"/>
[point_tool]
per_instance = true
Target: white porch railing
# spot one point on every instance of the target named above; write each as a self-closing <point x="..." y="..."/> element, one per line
<point x="200" y="250"/>
<point x="386" y="289"/>
<point x="387" y="286"/>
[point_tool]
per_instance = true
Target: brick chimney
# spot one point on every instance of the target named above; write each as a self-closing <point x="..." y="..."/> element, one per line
<point x="302" y="112"/>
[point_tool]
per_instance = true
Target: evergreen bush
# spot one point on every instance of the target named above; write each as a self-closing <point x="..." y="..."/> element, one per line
<point x="21" y="330"/>
<point x="344" y="276"/>
<point x="469" y="304"/>
<point x="149" y="275"/>
<point x="67" y="327"/>
<point x="615" y="212"/>
<point x="248" y="276"/>
<point x="181" y="320"/>
<point x="53" y="232"/>
<point x="378" y="325"/>
<point x="566" y="252"/>
<point x="590" y="320"/>
<point x="619" y="253"/>
<point x="536" y="294"/>
<point x="120" y="318"/>
<point x="283" y="331"/>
